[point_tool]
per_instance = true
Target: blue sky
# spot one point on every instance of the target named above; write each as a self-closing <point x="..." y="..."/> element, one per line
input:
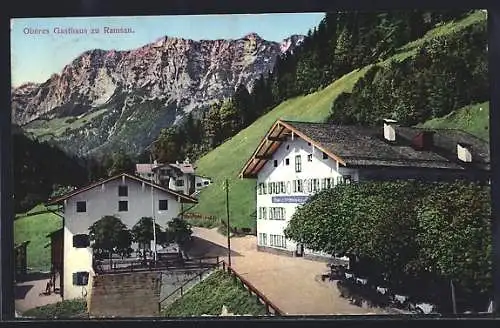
<point x="35" y="57"/>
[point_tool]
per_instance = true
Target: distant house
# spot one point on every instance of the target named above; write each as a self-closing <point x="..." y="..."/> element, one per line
<point x="177" y="176"/>
<point x="126" y="196"/>
<point x="297" y="159"/>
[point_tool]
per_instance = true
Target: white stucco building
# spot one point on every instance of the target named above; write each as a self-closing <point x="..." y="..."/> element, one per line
<point x="298" y="159"/>
<point x="125" y="196"/>
<point x="177" y="176"/>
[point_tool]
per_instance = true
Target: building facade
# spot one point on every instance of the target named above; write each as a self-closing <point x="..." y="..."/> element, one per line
<point x="295" y="160"/>
<point x="177" y="176"/>
<point x="127" y="197"/>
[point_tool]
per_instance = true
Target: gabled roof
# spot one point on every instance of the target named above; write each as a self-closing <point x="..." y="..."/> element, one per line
<point x="185" y="198"/>
<point x="185" y="168"/>
<point x="356" y="146"/>
<point x="144" y="168"/>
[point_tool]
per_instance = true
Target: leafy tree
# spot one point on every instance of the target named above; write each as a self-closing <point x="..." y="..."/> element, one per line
<point x="454" y="234"/>
<point x="142" y="232"/>
<point x="167" y="146"/>
<point x="243" y="106"/>
<point x="109" y="235"/>
<point x="418" y="235"/>
<point x="229" y="120"/>
<point x="178" y="231"/>
<point x="121" y="163"/>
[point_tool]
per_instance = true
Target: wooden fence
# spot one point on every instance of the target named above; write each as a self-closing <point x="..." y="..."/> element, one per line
<point x="271" y="308"/>
<point x="138" y="265"/>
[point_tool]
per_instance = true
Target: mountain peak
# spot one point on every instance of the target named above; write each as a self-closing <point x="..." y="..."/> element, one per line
<point x="252" y="35"/>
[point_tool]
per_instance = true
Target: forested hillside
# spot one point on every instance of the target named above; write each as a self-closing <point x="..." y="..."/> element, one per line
<point x="341" y="43"/>
<point x="460" y="42"/>
<point x="447" y="72"/>
<point x="40" y="169"/>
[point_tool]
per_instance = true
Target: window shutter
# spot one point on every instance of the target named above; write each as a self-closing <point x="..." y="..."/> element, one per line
<point x="81" y="241"/>
<point x="80" y="278"/>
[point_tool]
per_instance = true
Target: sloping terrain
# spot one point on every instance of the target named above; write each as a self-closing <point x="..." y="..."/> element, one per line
<point x="35" y="228"/>
<point x="474" y="119"/>
<point x="208" y="297"/>
<point x="226" y="161"/>
<point x="108" y="99"/>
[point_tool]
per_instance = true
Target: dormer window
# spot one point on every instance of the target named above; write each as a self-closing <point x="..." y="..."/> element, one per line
<point x="464" y="152"/>
<point x="390" y="130"/>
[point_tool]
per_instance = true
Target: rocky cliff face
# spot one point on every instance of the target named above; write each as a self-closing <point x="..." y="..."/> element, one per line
<point x="110" y="98"/>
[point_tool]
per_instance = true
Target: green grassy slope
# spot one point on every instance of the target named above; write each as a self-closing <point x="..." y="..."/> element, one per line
<point x="210" y="295"/>
<point x="35" y="228"/>
<point x="227" y="160"/>
<point x="473" y="119"/>
<point x="412" y="48"/>
<point x="61" y="310"/>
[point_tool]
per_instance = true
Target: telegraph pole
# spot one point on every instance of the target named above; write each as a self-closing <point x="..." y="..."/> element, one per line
<point x="228" y="229"/>
<point x="153" y="212"/>
<point x="453" y="299"/>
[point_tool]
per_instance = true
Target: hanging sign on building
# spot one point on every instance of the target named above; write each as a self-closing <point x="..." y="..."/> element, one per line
<point x="289" y="199"/>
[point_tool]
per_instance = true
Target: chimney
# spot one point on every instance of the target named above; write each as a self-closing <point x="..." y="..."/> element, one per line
<point x="423" y="141"/>
<point x="463" y="152"/>
<point x="390" y="130"/>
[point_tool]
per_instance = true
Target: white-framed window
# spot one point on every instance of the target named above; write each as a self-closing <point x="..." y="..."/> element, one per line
<point x="270" y="188"/>
<point x="310" y="157"/>
<point x="264" y="188"/>
<point x="277" y="241"/>
<point x="309" y="185"/>
<point x="329" y="183"/>
<point x="163" y="205"/>
<point x="277" y="213"/>
<point x="315" y="185"/>
<point x="298" y="163"/>
<point x="123" y="191"/>
<point x="262" y="213"/>
<point x="324" y="183"/>
<point x="287" y="161"/>
<point x="81" y="206"/>
<point x="282" y="187"/>
<point x="263" y="239"/>
<point x="300" y="186"/>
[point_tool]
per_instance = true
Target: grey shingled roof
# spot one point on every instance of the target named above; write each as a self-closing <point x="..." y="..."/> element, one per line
<point x="365" y="146"/>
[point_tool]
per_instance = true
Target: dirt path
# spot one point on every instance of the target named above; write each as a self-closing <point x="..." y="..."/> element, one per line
<point x="28" y="295"/>
<point x="293" y="284"/>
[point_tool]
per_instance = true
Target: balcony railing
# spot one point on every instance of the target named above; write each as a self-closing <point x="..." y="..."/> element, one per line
<point x="139" y="265"/>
